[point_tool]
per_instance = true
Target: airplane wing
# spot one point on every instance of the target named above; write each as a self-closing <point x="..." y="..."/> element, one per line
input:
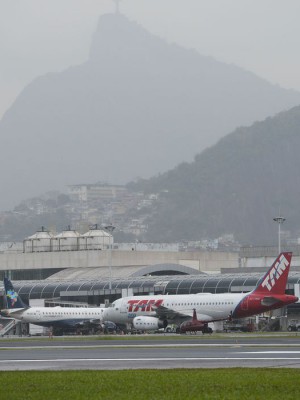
<point x="183" y="314"/>
<point x="88" y="322"/>
<point x="164" y="312"/>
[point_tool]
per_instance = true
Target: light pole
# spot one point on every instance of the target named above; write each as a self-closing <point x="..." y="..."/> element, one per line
<point x="110" y="228"/>
<point x="280" y="220"/>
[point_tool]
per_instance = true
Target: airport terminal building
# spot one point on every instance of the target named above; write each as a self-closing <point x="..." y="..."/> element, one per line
<point x="89" y="269"/>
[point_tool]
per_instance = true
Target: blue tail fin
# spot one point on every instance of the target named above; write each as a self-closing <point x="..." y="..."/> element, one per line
<point x="12" y="297"/>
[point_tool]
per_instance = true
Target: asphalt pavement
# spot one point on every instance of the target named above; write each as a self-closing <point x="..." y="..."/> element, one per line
<point x="150" y="352"/>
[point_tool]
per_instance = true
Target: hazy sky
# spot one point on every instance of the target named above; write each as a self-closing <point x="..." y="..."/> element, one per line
<point x="40" y="36"/>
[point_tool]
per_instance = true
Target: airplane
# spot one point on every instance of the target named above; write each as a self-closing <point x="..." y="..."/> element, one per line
<point x="57" y="318"/>
<point x="157" y="311"/>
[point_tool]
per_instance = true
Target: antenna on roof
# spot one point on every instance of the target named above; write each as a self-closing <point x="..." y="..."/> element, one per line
<point x="117" y="6"/>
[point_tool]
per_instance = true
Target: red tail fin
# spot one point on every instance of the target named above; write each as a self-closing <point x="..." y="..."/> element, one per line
<point x="274" y="282"/>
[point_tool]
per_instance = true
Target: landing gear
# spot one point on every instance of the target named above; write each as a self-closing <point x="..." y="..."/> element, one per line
<point x="207" y="329"/>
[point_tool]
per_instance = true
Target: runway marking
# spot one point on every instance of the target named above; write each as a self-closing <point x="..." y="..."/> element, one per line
<point x="270" y="352"/>
<point x="156" y="359"/>
<point x="150" y="346"/>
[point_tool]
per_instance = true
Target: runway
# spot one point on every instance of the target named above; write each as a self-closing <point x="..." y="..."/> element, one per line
<point x="175" y="352"/>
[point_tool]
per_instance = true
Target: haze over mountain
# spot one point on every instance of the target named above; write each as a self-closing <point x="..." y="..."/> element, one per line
<point x="237" y="186"/>
<point x="137" y="107"/>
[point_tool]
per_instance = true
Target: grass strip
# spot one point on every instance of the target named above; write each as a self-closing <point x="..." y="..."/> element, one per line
<point x="229" y="383"/>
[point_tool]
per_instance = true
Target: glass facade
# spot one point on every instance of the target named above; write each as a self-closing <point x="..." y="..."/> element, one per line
<point x="170" y="285"/>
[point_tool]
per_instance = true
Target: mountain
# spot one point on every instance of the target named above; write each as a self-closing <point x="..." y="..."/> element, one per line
<point x="237" y="186"/>
<point x="137" y="107"/>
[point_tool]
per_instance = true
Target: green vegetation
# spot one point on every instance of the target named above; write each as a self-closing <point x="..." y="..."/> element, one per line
<point x="236" y="186"/>
<point x="224" y="384"/>
<point x="155" y="337"/>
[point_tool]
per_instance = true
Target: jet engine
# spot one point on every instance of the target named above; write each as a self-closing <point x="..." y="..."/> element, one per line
<point x="147" y="323"/>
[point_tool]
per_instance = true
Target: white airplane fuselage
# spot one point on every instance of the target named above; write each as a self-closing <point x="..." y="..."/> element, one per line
<point x="209" y="307"/>
<point x="56" y="316"/>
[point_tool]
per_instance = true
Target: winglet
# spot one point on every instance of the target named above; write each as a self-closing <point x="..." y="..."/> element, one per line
<point x="275" y="280"/>
<point x="12" y="297"/>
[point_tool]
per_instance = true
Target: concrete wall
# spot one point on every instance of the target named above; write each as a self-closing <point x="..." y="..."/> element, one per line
<point x="204" y="261"/>
<point x="265" y="261"/>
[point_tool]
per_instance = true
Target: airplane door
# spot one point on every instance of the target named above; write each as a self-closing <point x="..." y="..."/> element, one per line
<point x="38" y="314"/>
<point x="123" y="308"/>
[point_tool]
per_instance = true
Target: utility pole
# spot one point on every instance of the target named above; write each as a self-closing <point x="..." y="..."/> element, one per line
<point x="110" y="228"/>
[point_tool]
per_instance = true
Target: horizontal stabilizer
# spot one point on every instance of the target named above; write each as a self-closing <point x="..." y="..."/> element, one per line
<point x="269" y="301"/>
